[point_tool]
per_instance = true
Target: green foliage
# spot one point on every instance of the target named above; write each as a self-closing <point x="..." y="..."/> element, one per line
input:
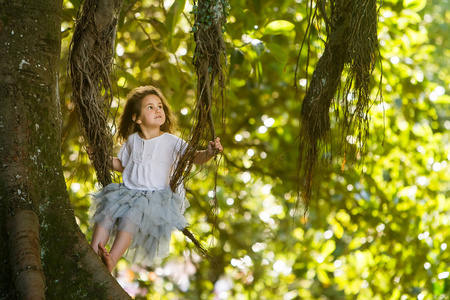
<point x="278" y="27"/>
<point x="378" y="229"/>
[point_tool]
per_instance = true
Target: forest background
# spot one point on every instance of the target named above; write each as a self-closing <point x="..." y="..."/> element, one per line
<point x="378" y="228"/>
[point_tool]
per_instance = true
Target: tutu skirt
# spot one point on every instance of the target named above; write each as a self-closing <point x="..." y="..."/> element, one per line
<point x="149" y="216"/>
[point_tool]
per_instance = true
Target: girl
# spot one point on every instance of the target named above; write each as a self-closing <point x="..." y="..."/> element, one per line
<point x="143" y="207"/>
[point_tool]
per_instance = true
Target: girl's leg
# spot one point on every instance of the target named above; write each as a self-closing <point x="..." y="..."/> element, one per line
<point x="100" y="235"/>
<point x="121" y="244"/>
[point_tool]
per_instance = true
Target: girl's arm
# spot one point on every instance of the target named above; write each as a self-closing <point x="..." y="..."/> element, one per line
<point x="117" y="165"/>
<point x="204" y="156"/>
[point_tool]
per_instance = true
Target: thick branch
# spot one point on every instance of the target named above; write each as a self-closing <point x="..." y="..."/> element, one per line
<point x="91" y="263"/>
<point x="25" y="254"/>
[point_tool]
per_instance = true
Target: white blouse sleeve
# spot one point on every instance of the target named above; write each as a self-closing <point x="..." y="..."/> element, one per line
<point x="124" y="154"/>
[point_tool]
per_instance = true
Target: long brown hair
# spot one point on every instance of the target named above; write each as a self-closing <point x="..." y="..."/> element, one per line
<point x="133" y="107"/>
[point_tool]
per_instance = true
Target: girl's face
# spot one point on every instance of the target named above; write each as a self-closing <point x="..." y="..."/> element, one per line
<point x="152" y="113"/>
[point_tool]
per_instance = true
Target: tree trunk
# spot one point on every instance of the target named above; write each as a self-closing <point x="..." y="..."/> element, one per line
<point x="47" y="253"/>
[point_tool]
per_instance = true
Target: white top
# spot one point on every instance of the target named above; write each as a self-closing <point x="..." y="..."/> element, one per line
<point x="148" y="164"/>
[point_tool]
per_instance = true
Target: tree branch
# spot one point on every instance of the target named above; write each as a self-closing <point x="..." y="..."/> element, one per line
<point x="92" y="264"/>
<point x="25" y="254"/>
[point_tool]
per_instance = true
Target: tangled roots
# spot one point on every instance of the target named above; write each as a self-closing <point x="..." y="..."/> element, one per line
<point x="90" y="62"/>
<point x="351" y="45"/>
<point x="210" y="46"/>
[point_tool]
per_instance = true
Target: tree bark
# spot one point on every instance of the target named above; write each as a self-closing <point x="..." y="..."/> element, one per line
<point x="32" y="182"/>
<point x="25" y="253"/>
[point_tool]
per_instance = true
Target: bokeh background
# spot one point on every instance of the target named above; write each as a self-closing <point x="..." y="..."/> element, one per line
<point x="378" y="228"/>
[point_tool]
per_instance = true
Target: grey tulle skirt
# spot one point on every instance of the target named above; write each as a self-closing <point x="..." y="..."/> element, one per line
<point x="150" y="217"/>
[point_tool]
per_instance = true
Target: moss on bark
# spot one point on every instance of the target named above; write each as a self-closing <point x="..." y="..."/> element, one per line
<point x="30" y="156"/>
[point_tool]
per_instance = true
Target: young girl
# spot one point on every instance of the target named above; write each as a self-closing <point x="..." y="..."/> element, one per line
<point x="143" y="209"/>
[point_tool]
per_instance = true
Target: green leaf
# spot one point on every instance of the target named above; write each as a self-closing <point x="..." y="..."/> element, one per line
<point x="278" y="27"/>
<point x="173" y="77"/>
<point x="443" y="99"/>
<point x="438" y="288"/>
<point x="159" y="26"/>
<point x="338" y="230"/>
<point x="173" y="16"/>
<point x="328" y="248"/>
<point x="237" y="57"/>
<point x="258" y="48"/>
<point x="323" y="276"/>
<point x="150" y="57"/>
<point x="415" y="5"/>
<point x="131" y="81"/>
<point x="259" y="71"/>
<point x="280" y="53"/>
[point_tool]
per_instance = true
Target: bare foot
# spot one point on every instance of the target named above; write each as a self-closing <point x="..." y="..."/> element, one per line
<point x="106" y="258"/>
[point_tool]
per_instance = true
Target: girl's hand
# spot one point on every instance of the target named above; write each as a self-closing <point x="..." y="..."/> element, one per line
<point x="215" y="146"/>
<point x="204" y="156"/>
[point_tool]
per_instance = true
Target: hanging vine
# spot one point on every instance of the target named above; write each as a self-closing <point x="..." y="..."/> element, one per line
<point x="350" y="51"/>
<point x="90" y="63"/>
<point x="208" y="28"/>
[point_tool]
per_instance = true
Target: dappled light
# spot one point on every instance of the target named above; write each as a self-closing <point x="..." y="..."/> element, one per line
<point x="378" y="226"/>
